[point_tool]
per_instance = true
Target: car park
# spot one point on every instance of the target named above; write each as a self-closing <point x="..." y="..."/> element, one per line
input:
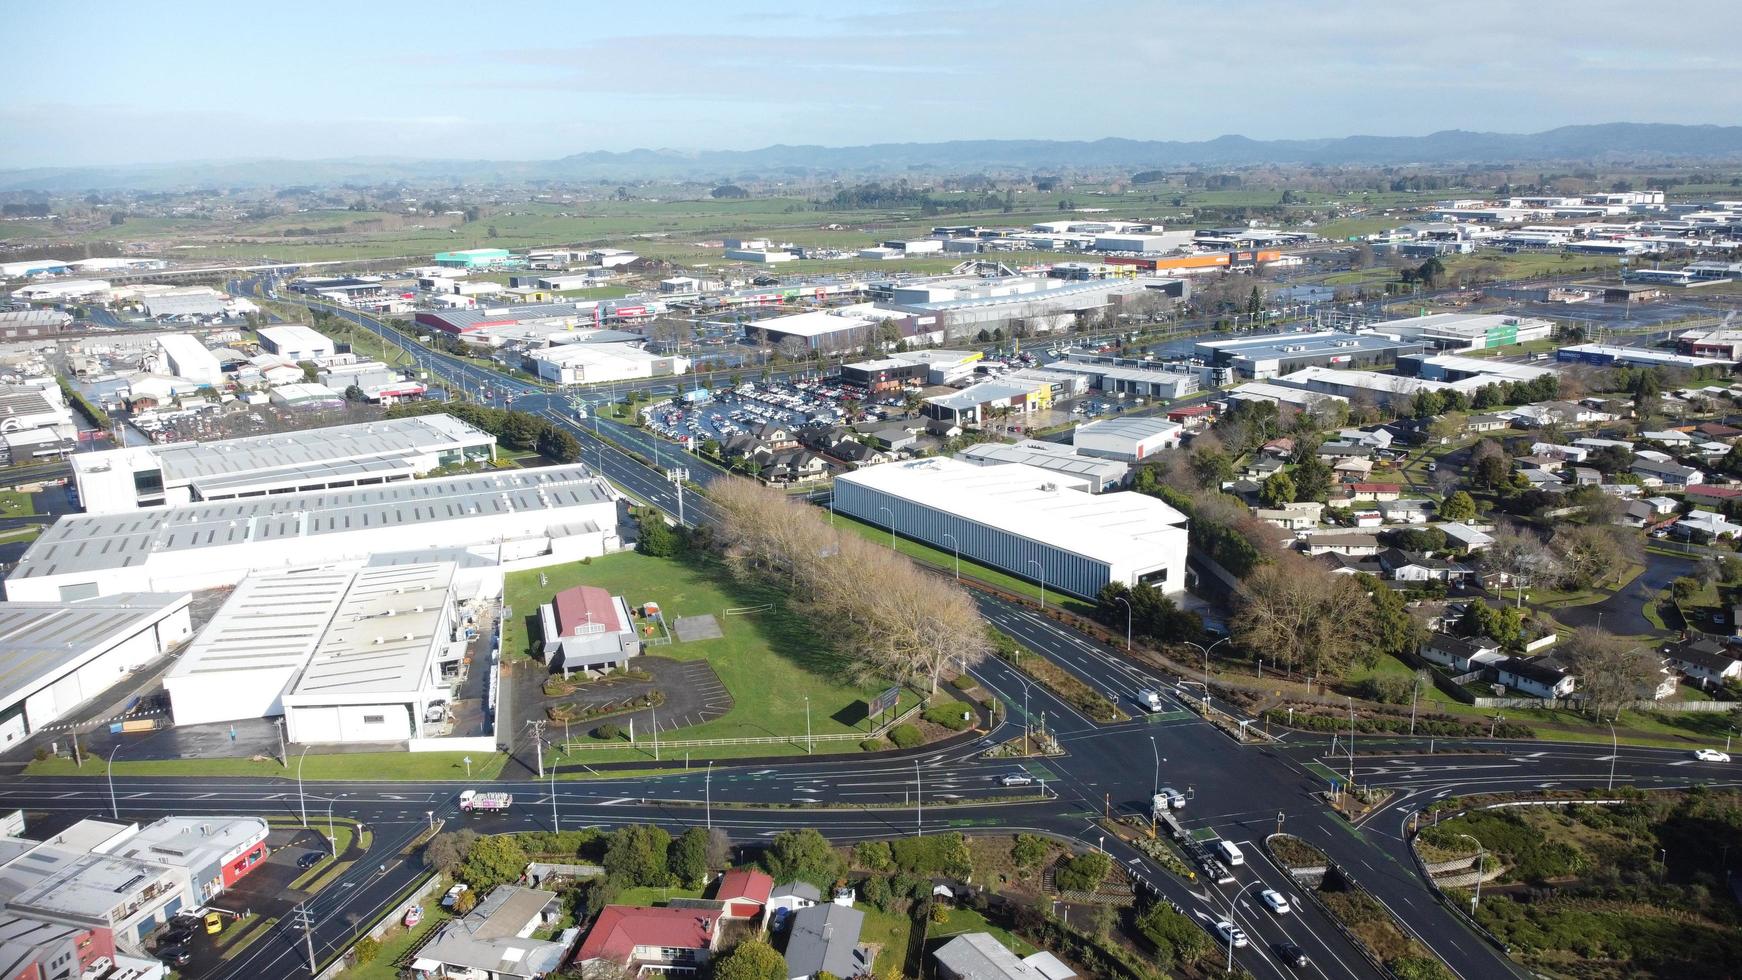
<point x="1290" y="953"/>
<point x="1711" y="755"/>
<point x="1274" y="900"/>
<point x="1016" y="779"/>
<point x="1231" y="933"/>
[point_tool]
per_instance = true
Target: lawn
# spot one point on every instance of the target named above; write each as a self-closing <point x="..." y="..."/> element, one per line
<point x="653" y="895"/>
<point x="888" y="931"/>
<point x="352" y="766"/>
<point x="770" y="660"/>
<point x="14" y="503"/>
<point x="963" y="920"/>
<point x="398" y="942"/>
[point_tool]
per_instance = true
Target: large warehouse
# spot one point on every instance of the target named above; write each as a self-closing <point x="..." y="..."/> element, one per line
<point x="573" y="364"/>
<point x="188" y="358"/>
<point x="1464" y="331"/>
<point x="59" y="655"/>
<point x="1273" y="355"/>
<point x="297" y="342"/>
<point x="1029" y="522"/>
<point x="363" y="454"/>
<point x="1129" y="439"/>
<point x="528" y="516"/>
<point x="344" y="655"/>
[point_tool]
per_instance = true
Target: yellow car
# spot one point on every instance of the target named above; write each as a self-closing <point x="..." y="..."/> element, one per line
<point x="214" y="923"/>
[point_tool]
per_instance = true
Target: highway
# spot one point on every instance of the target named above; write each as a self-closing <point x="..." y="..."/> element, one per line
<point x="1238" y="792"/>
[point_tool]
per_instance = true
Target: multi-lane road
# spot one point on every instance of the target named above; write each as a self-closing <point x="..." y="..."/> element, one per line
<point x="1238" y="792"/>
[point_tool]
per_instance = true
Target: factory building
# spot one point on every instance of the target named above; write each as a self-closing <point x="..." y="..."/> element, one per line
<point x="474" y="258"/>
<point x="1150" y="243"/>
<point x="546" y="318"/>
<point x="216" y="852"/>
<point x="1282" y="395"/>
<point x="1142" y="379"/>
<point x="1100" y="474"/>
<point x="188" y="358"/>
<point x="363" y="454"/>
<point x="573" y="364"/>
<point x="296" y="342"/>
<point x="829" y="330"/>
<point x="1383" y="389"/>
<point x="1268" y="356"/>
<point x="1603" y="355"/>
<point x="1023" y="520"/>
<point x="977" y="403"/>
<point x="61" y="290"/>
<point x="937" y="367"/>
<point x="1462" y="331"/>
<point x="1450" y="367"/>
<point x="518" y="518"/>
<point x="60" y="655"/>
<point x="1131" y="439"/>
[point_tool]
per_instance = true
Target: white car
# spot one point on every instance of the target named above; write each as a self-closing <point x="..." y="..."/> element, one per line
<point x="453" y="896"/>
<point x="1274" y="899"/>
<point x="1711" y="755"/>
<point x="1231" y="933"/>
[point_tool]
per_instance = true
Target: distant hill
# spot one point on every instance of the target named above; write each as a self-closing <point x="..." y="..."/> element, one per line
<point x="1629" y="142"/>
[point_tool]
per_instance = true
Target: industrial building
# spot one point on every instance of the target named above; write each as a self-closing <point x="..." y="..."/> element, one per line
<point x="1296" y="398"/>
<point x="344" y="655"/>
<point x="60" y="655"/>
<point x="1603" y="355"/>
<point x="978" y="403"/>
<point x="296" y="342"/>
<point x="1100" y="474"/>
<point x="1151" y="243"/>
<point x="1271" y="355"/>
<point x="188" y="358"/>
<point x="937" y="367"/>
<point x="1383" y="389"/>
<point x="837" y="329"/>
<point x="573" y="364"/>
<point x="522" y="518"/>
<point x="1131" y="439"/>
<point x="1719" y="343"/>
<point x="534" y="318"/>
<point x="1029" y="522"/>
<point x="962" y="307"/>
<point x="474" y="258"/>
<point x="362" y="454"/>
<point x="1464" y="331"/>
<point x="1141" y="379"/>
<point x="1450" y="367"/>
<point x="60" y="290"/>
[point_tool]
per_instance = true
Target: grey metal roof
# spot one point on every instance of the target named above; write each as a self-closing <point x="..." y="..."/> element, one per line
<point x="825" y="937"/>
<point x="1049" y="456"/>
<point x="86" y="542"/>
<point x="41" y="640"/>
<point x="306" y="473"/>
<point x="392" y="437"/>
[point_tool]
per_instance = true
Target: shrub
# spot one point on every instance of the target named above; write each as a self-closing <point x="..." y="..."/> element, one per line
<point x="872" y="745"/>
<point x="934" y="854"/>
<point x="964" y="682"/>
<point x="366" y="949"/>
<point x="1029" y="850"/>
<point x="906" y="736"/>
<point x="608" y="732"/>
<point x="1082" y="873"/>
<point x="1176" y="938"/>
<point x="949" y="715"/>
<point x="876" y="892"/>
<point x="940" y="913"/>
<point x="873" y="855"/>
<point x="1387" y="689"/>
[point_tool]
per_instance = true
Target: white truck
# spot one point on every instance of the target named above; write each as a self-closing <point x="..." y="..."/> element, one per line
<point x="1151" y="701"/>
<point x="471" y="800"/>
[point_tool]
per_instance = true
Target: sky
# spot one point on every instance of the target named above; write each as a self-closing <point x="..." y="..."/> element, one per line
<point x="111" y="83"/>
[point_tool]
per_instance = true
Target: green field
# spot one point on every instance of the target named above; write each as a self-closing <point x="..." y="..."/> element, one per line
<point x="771" y="661"/>
<point x="14" y="503"/>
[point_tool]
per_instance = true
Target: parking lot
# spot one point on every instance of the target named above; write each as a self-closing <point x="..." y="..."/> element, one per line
<point x="739" y="409"/>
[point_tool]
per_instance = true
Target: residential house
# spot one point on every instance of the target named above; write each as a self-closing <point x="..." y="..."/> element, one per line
<point x="743" y="894"/>
<point x="1378" y="438"/>
<point x="794" y="466"/>
<point x="1557" y="413"/>
<point x="858" y="454"/>
<point x="1673" y="438"/>
<point x="1584" y="476"/>
<point x="1353" y="543"/>
<point x="1663" y="685"/>
<point x="1375" y="492"/>
<point x="1669" y="474"/>
<point x="493" y="941"/>
<point x="1486" y="423"/>
<point x="1705" y="526"/>
<point x="980" y="956"/>
<point x="1264" y="467"/>
<point x="775" y="436"/>
<point x="790" y="897"/>
<point x="1340" y="564"/>
<point x="892" y="438"/>
<point x="1281" y="448"/>
<point x="1465" y="537"/>
<point x="1352" y="470"/>
<point x="1704" y="661"/>
<point x="638" y="939"/>
<point x="1406" y="511"/>
<point x="1594" y="443"/>
<point x="1461" y="654"/>
<point x="1711" y="493"/>
<point x="1649" y="510"/>
<point x="825" y="939"/>
<point x="1331" y="452"/>
<point x="1718" y="431"/>
<point x="1409" y="566"/>
<point x="1537" y="677"/>
<point x="1299" y="516"/>
<point x="1556" y="451"/>
<point x="1367" y="518"/>
<point x="740" y="444"/>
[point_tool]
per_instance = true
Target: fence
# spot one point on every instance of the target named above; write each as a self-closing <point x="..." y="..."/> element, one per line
<point x="1578" y="704"/>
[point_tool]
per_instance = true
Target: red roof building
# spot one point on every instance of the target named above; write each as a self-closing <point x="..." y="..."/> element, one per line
<point x="1187" y="412"/>
<point x="587" y="628"/>
<point x="744" y="893"/>
<point x="587" y="609"/>
<point x="638" y="937"/>
<point x="1712" y="492"/>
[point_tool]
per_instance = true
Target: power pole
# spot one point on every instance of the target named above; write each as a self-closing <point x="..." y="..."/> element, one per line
<point x="306" y="920"/>
<point x="537" y="727"/>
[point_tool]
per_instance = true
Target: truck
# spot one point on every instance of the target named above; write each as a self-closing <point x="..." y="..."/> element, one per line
<point x="471" y="800"/>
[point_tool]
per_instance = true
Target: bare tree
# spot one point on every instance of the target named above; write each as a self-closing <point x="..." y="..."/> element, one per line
<point x="1300" y="614"/>
<point x="1610" y="670"/>
<point x="1522" y="557"/>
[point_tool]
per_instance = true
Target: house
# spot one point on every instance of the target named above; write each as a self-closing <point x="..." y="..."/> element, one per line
<point x="858" y="454"/>
<point x="1351" y="543"/>
<point x="775" y="436"/>
<point x="1367" y="518"/>
<point x="1281" y="448"/>
<point x="980" y="956"/>
<point x="1299" y="516"/>
<point x="744" y="444"/>
<point x="1556" y="451"/>
<point x="638" y="939"/>
<point x="1331" y="452"/>
<point x="1707" y="494"/>
<point x="1409" y="566"/>
<point x="1537" y="677"/>
<point x="1263" y="467"/>
<point x="1353" y="470"/>
<point x="825" y="939"/>
<point x="492" y="942"/>
<point x="1378" y="438"/>
<point x="1584" y="476"/>
<point x="1671" y="474"/>
<point x="1486" y="423"/>
<point x="791" y="897"/>
<point x="1718" y="431"/>
<point x="1539" y="479"/>
<point x="1338" y="564"/>
<point x="1406" y="511"/>
<point x="794" y="466"/>
<point x="1461" y="654"/>
<point x="1705" y="525"/>
<point x="1372" y="491"/>
<point x="1465" y="537"/>
<point x="1704" y="661"/>
<point x="893" y="438"/>
<point x="1673" y="438"/>
<point x="743" y="894"/>
<point x="1668" y="679"/>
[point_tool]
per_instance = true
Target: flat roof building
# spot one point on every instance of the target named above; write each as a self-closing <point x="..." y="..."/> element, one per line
<point x="1603" y="354"/>
<point x="1450" y="367"/>
<point x="363" y="454"/>
<point x="974" y="404"/>
<point x="1102" y="474"/>
<point x="188" y="358"/>
<point x="551" y="514"/>
<point x="847" y="326"/>
<point x="296" y="341"/>
<point x="571" y="364"/>
<point x="1013" y="516"/>
<point x="1156" y="379"/>
<point x="1277" y="354"/>
<point x="1131" y="439"/>
<point x="1464" y="331"/>
<point x="216" y="852"/>
<point x="1385" y="389"/>
<point x="1282" y="395"/>
<point x="55" y="656"/>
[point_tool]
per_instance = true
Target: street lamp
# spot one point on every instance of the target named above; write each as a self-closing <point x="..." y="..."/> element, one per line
<point x="1205" y="650"/>
<point x="1232" y="902"/>
<point x="708" y="790"/>
<point x="1042" y="569"/>
<point x="301" y="803"/>
<point x="891" y="526"/>
<point x="114" y="811"/>
<point x="1155" y="784"/>
<point x="1481" y="868"/>
<point x="808" y="747"/>
<point x="958" y="549"/>
<point x="1127" y="621"/>
<point x="332" y="839"/>
<point x="1614" y="750"/>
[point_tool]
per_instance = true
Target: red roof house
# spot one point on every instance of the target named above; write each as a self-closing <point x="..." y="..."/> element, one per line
<point x="743" y="894"/>
<point x="637" y="937"/>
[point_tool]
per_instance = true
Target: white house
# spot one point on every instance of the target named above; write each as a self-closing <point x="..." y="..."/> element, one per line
<point x="1535" y="677"/>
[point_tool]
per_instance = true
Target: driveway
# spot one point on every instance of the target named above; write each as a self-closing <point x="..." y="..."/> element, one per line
<point x="693" y="694"/>
<point x="1623" y="612"/>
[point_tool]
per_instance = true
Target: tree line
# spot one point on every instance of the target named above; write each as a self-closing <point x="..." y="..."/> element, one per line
<point x="517" y="430"/>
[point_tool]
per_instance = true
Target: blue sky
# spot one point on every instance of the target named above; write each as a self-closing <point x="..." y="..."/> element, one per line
<point x="117" y="83"/>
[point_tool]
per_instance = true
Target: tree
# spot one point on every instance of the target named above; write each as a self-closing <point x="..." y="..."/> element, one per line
<point x="1312" y="479"/>
<point x="1028" y="851"/>
<point x="1460" y="506"/>
<point x="465" y="901"/>
<point x="753" y="959"/>
<point x="1212" y="467"/>
<point x="655" y="537"/>
<point x="1176" y="938"/>
<point x="1278" y="489"/>
<point x="1610" y="670"/>
<point x="688" y="858"/>
<point x="872" y="855"/>
<point x="1431" y="271"/>
<point x="728" y="191"/>
<point x="1589" y="554"/>
<point x="1083" y="872"/>
<point x="1391" y="629"/>
<point x="355" y="394"/>
<point x="1503" y="624"/>
<point x="1304" y="616"/>
<point x="446" y="852"/>
<point x="802" y="854"/>
<point x="492" y="861"/>
<point x="637" y="854"/>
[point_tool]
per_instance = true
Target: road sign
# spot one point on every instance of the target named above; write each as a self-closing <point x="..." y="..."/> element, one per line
<point x="884" y="702"/>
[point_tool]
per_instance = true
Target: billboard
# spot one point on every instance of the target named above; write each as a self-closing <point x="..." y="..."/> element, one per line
<point x="883" y="702"/>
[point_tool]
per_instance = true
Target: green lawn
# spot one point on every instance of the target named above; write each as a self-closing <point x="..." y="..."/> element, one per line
<point x="14" y="503"/>
<point x="771" y="660"/>
<point x="397" y="943"/>
<point x="353" y="766"/>
<point x="653" y="895"/>
<point x="891" y="932"/>
<point x="967" y="920"/>
<point x="946" y="560"/>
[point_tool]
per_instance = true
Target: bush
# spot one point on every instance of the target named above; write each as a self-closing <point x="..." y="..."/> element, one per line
<point x="872" y="745"/>
<point x="873" y="855"/>
<point x="1387" y="689"/>
<point x="366" y="950"/>
<point x="949" y="715"/>
<point x="1082" y="873"/>
<point x="608" y="732"/>
<point x="964" y="682"/>
<point x="1029" y="850"/>
<point x="906" y="736"/>
<point x="876" y="892"/>
<point x="933" y="854"/>
<point x="1176" y="938"/>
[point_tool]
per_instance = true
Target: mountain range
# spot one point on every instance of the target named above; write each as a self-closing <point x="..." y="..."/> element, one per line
<point x="1634" y="143"/>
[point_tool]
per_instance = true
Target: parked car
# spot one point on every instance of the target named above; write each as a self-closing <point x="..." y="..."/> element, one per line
<point x="1274" y="899"/>
<point x="413" y="916"/>
<point x="174" y="955"/>
<point x="1290" y="953"/>
<point x="453" y="896"/>
<point x="175" y="934"/>
<point x="1711" y="755"/>
<point x="309" y="860"/>
<point x="1016" y="779"/>
<point x="1231" y="933"/>
<point x="214" y="923"/>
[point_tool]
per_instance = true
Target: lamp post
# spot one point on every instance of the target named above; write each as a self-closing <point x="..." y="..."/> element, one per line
<point x="891" y="514"/>
<point x="1155" y="784"/>
<point x="1614" y="750"/>
<point x="956" y="545"/>
<point x="918" y="803"/>
<point x="808" y="747"/>
<point x="1127" y="621"/>
<point x="1351" y="743"/>
<point x="708" y="791"/>
<point x="114" y="810"/>
<point x="1205" y="650"/>
<point x="332" y="838"/>
<point x="1232" y="902"/>
<point x="1042" y="569"/>
<point x="301" y="802"/>
<point x="1481" y="867"/>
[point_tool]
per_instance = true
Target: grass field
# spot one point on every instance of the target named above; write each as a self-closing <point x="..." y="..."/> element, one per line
<point x="14" y="503"/>
<point x="347" y="766"/>
<point x="770" y="660"/>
